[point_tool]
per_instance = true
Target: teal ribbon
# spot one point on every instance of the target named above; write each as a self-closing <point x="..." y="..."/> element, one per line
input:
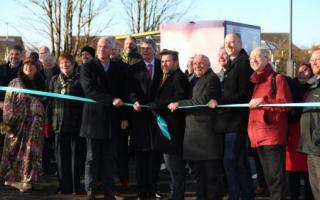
<point x="246" y="105"/>
<point x="163" y="127"/>
<point x="47" y="94"/>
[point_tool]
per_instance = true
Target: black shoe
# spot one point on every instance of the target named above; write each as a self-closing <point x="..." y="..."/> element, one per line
<point x="142" y="196"/>
<point x="154" y="195"/>
<point x="90" y="197"/>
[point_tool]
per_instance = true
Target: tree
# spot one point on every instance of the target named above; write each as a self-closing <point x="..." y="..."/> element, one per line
<point x="68" y="23"/>
<point x="147" y="15"/>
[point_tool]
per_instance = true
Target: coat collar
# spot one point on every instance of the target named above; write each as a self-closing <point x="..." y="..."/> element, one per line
<point x="261" y="77"/>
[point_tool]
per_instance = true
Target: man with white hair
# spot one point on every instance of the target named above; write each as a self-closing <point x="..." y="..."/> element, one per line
<point x="43" y="51"/>
<point x="310" y="131"/>
<point x="101" y="80"/>
<point x="202" y="144"/>
<point x="268" y="126"/>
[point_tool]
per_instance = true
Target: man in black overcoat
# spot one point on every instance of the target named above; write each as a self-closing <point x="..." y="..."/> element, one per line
<point x="236" y="88"/>
<point x="101" y="80"/>
<point x="144" y="80"/>
<point x="174" y="87"/>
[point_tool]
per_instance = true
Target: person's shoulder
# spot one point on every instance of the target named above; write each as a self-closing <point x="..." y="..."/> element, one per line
<point x="4" y="66"/>
<point x="137" y="65"/>
<point x="16" y="82"/>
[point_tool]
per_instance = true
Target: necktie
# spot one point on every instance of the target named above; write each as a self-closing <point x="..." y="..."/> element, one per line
<point x="150" y="70"/>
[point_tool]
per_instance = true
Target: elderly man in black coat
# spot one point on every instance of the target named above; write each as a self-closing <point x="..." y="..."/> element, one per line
<point x="101" y="80"/>
<point x="144" y="80"/>
<point x="174" y="87"/>
<point x="201" y="144"/>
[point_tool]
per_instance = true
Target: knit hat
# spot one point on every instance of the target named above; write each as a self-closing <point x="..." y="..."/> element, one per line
<point x="90" y="50"/>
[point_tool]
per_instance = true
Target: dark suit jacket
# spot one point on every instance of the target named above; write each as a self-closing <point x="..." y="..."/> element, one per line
<point x="201" y="142"/>
<point x="143" y="90"/>
<point x="101" y="120"/>
<point x="236" y="88"/>
<point x="175" y="88"/>
<point x="7" y="74"/>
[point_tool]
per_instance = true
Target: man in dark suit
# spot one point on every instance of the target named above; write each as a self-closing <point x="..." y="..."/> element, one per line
<point x="101" y="80"/>
<point x="144" y="80"/>
<point x="201" y="144"/>
<point x="236" y="88"/>
<point x="174" y="87"/>
<point x="8" y="72"/>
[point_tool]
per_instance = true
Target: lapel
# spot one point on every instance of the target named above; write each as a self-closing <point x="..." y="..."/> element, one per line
<point x="167" y="81"/>
<point x="155" y="82"/>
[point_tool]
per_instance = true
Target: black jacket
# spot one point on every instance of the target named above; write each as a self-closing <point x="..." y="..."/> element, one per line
<point x="175" y="88"/>
<point x="143" y="90"/>
<point x="65" y="115"/>
<point x="101" y="120"/>
<point x="236" y="88"/>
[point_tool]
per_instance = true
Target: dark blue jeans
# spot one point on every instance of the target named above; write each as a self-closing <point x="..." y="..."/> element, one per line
<point x="237" y="168"/>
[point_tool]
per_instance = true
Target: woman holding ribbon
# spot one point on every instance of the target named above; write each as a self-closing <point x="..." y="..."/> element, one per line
<point x="23" y="120"/>
<point x="65" y="117"/>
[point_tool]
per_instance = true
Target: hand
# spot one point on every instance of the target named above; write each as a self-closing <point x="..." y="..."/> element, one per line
<point x="136" y="106"/>
<point x="212" y="103"/>
<point x="254" y="103"/>
<point x="124" y="124"/>
<point x="117" y="102"/>
<point x="173" y="106"/>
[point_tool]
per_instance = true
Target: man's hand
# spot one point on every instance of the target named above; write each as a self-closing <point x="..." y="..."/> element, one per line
<point x="117" y="102"/>
<point x="136" y="106"/>
<point x="173" y="106"/>
<point x="212" y="103"/>
<point x="124" y="124"/>
<point x="254" y="103"/>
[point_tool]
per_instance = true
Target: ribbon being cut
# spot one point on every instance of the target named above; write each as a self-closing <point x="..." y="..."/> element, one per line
<point x="160" y="121"/>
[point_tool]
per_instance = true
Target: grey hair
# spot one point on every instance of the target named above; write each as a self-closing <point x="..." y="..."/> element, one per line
<point x="264" y="51"/>
<point x="106" y="40"/>
<point x="150" y="42"/>
<point x="206" y="58"/>
<point x="46" y="48"/>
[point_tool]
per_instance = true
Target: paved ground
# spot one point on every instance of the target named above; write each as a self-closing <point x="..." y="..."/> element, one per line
<point x="46" y="189"/>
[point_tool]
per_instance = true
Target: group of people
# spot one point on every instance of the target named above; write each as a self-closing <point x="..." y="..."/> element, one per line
<point x="285" y="141"/>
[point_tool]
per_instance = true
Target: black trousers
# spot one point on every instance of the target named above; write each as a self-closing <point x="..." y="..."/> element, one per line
<point x="48" y="151"/>
<point x="123" y="155"/>
<point x="272" y="159"/>
<point x="67" y="152"/>
<point x="294" y="184"/>
<point x="209" y="177"/>
<point x="100" y="161"/>
<point x="147" y="171"/>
